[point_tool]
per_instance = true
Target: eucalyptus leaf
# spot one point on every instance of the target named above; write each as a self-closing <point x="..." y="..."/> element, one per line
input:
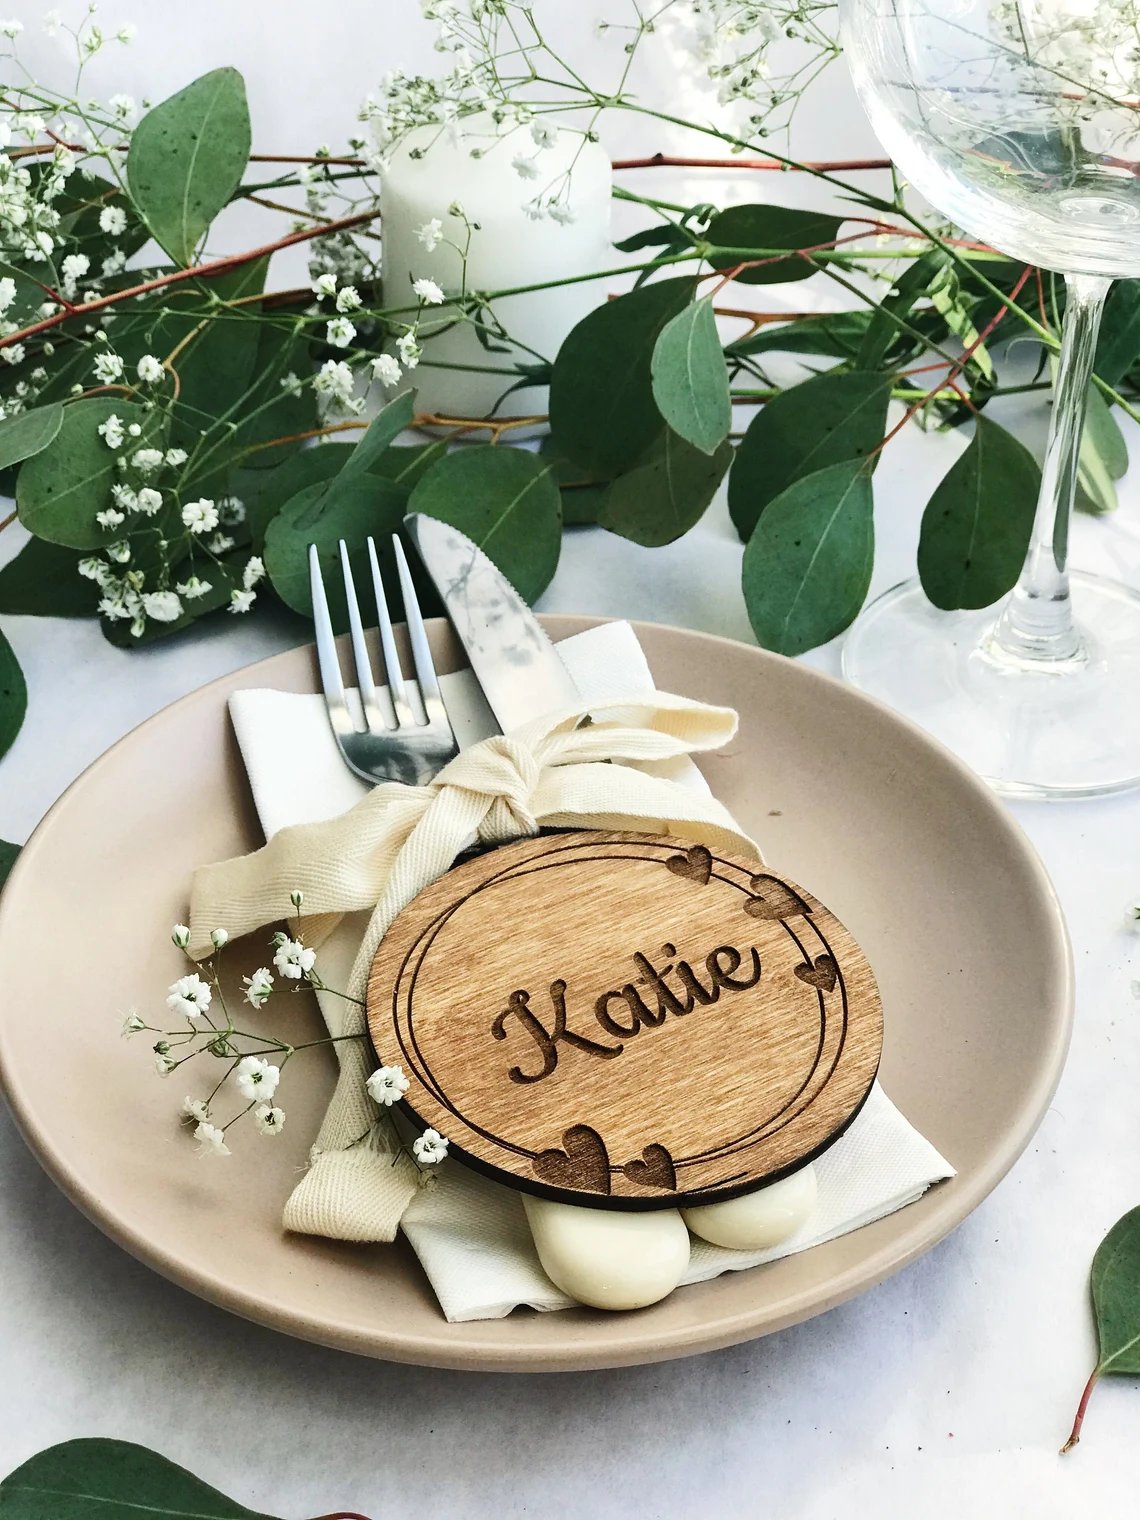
<point x="60" y="490"/>
<point x="1103" y="456"/>
<point x="13" y="696"/>
<point x="381" y="431"/>
<point x="690" y="378"/>
<point x="582" y="504"/>
<point x="807" y="566"/>
<point x="1115" y="1285"/>
<point x="28" y="434"/>
<point x="265" y="492"/>
<point x="100" y="1479"/>
<point x="271" y="410"/>
<point x="756" y="231"/>
<point x="666" y="494"/>
<point x="43" y="581"/>
<point x="1118" y="346"/>
<point x="187" y="157"/>
<point x="506" y="501"/>
<point x="8" y="853"/>
<point x="896" y="306"/>
<point x="667" y="235"/>
<point x="831" y="334"/>
<point x="602" y="413"/>
<point x="976" y="526"/>
<point x="805" y="428"/>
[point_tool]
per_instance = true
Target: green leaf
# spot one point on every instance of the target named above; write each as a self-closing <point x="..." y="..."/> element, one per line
<point x="381" y="431"/>
<point x="897" y="305"/>
<point x="1115" y="1284"/>
<point x="808" y="565"/>
<point x="581" y="504"/>
<point x="186" y="159"/>
<point x="833" y="334"/>
<point x="976" y="526"/>
<point x="43" y="581"/>
<point x="8" y="853"/>
<point x="366" y="505"/>
<point x="666" y="494"/>
<point x="270" y="411"/>
<point x="805" y="428"/>
<point x="13" y="696"/>
<point x="668" y="235"/>
<point x="1118" y="346"/>
<point x="407" y="464"/>
<point x="757" y="231"/>
<point x="99" y="1479"/>
<point x="506" y="500"/>
<point x="28" y="434"/>
<point x="602" y="413"/>
<point x="62" y="488"/>
<point x="690" y="378"/>
<point x="1103" y="457"/>
<point x="265" y="492"/>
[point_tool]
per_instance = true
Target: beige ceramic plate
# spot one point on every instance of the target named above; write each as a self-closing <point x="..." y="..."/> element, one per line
<point x="937" y="883"/>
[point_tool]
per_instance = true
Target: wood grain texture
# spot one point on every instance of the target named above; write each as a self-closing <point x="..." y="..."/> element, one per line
<point x="626" y="1020"/>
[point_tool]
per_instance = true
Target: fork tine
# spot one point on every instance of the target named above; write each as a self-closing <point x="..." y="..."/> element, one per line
<point x="392" y="674"/>
<point x="364" y="680"/>
<point x="421" y="649"/>
<point x="326" y="644"/>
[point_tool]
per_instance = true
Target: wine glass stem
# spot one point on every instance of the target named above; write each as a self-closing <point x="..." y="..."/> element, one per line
<point x="1036" y="623"/>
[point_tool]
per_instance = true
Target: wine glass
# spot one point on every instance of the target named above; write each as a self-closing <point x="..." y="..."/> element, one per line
<point x="1020" y="121"/>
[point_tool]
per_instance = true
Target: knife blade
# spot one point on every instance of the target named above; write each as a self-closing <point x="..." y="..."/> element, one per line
<point x="519" y="669"/>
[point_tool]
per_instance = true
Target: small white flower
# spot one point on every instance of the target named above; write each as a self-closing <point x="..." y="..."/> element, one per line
<point x="52" y="23"/>
<point x="254" y="571"/>
<point x="113" y="263"/>
<point x="542" y="134"/>
<point x="221" y="543"/>
<point x="200" y="516"/>
<point x="256" y="1079"/>
<point x="340" y="332"/>
<point x="108" y="368"/>
<point x="124" y="497"/>
<point x="268" y="1119"/>
<point x="132" y="1024"/>
<point x="73" y="268"/>
<point x="123" y="106"/>
<point x="110" y="518"/>
<point x="409" y="350"/>
<point x="162" y="606"/>
<point x="176" y="456"/>
<point x="258" y="987"/>
<point x="335" y="379"/>
<point x="7" y="293"/>
<point x="197" y="1109"/>
<point x="386" y="370"/>
<point x="113" y="608"/>
<point x="11" y="28"/>
<point x="297" y="897"/>
<point x="211" y="1140"/>
<point x="429" y="1148"/>
<point x="146" y="461"/>
<point x="120" y="552"/>
<point x="387" y="1086"/>
<point x="431" y="234"/>
<point x="180" y="934"/>
<point x="190" y="996"/>
<point x="293" y="959"/>
<point x="241" y="601"/>
<point x="190" y="590"/>
<point x="163" y="1064"/>
<point x="92" y="569"/>
<point x="148" y="501"/>
<point x="219" y="937"/>
<point x="561" y="212"/>
<point x="150" y="370"/>
<point x="127" y="32"/>
<point x="324" y="285"/>
<point x="524" y="167"/>
<point x="134" y="430"/>
<point x="231" y="511"/>
<point x="348" y="299"/>
<point x="14" y="354"/>
<point x="428" y="292"/>
<point x="113" y="220"/>
<point x="112" y="431"/>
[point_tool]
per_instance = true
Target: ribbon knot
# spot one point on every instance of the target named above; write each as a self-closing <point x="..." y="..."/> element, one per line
<point x="504" y="773"/>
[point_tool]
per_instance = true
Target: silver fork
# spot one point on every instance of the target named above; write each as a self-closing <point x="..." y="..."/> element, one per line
<point x="393" y="745"/>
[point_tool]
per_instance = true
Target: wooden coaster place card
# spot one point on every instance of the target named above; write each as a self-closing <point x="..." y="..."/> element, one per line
<point x="625" y="1020"/>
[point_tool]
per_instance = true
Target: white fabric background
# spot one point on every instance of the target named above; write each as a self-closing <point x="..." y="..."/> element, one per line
<point x="949" y="1387"/>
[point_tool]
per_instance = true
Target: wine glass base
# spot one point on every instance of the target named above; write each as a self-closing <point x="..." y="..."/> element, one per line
<point x="1030" y="729"/>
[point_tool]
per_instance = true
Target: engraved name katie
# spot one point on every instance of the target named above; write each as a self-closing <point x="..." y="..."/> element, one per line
<point x="626" y="1020"/>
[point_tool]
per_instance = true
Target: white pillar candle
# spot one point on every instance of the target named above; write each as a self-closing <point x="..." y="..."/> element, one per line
<point x="509" y="248"/>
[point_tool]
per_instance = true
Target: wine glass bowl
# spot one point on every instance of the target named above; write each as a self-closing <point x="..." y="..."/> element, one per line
<point x="1019" y="120"/>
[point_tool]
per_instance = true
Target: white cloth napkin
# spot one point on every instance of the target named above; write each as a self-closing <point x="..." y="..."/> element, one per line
<point x="470" y="1234"/>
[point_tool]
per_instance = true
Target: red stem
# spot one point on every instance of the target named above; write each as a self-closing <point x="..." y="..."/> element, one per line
<point x="823" y="166"/>
<point x="196" y="272"/>
<point x="343" y="1514"/>
<point x="1075" y="1433"/>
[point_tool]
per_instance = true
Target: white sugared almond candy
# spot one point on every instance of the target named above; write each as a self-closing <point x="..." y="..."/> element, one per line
<point x="607" y="1258"/>
<point x="757" y="1220"/>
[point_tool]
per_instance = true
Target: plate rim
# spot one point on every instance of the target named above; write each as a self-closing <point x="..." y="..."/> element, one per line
<point x="587" y="1347"/>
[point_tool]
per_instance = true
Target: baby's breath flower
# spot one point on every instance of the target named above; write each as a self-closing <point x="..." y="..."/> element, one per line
<point x="291" y="384"/>
<point x="269" y="1120"/>
<point x="560" y="211"/>
<point x="125" y="497"/>
<point x="197" y="1109"/>
<point x="200" y="516"/>
<point x="176" y="457"/>
<point x="112" y="431"/>
<point x="148" y="501"/>
<point x="256" y="1079"/>
<point x="190" y="996"/>
<point x="120" y="552"/>
<point x="113" y="220"/>
<point x="11" y="28"/>
<point x="296" y="897"/>
<point x="164" y="1064"/>
<point x="324" y="285"/>
<point x="162" y="606"/>
<point x="219" y="937"/>
<point x="108" y="368"/>
<point x="92" y="569"/>
<point x="73" y="268"/>
<point x="123" y="106"/>
<point x="150" y="370"/>
<point x="409" y="350"/>
<point x="340" y="332"/>
<point x="127" y="33"/>
<point x="431" y="234"/>
<point x="335" y="380"/>
<point x="542" y="133"/>
<point x="132" y="1025"/>
<point x="387" y="1086"/>
<point x="231" y="511"/>
<point x="293" y="959"/>
<point x="386" y="370"/>
<point x="211" y="1140"/>
<point x="258" y="987"/>
<point x="110" y="518"/>
<point x="430" y="1148"/>
<point x="524" y="167"/>
<point x="190" y="590"/>
<point x="14" y="354"/>
<point x="7" y="293"/>
<point x="180" y="934"/>
<point x="254" y="571"/>
<point x="428" y="292"/>
<point x="348" y="299"/>
<point x="146" y="461"/>
<point x="221" y="543"/>
<point x="241" y="601"/>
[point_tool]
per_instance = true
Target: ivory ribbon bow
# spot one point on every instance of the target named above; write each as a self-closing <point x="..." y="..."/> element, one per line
<point x="398" y="839"/>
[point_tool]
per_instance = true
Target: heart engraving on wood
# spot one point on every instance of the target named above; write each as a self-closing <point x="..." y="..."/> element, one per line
<point x="583" y="1164"/>
<point x="654" y="1169"/>
<point x="823" y="974"/>
<point x="695" y="864"/>
<point x="774" y="899"/>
